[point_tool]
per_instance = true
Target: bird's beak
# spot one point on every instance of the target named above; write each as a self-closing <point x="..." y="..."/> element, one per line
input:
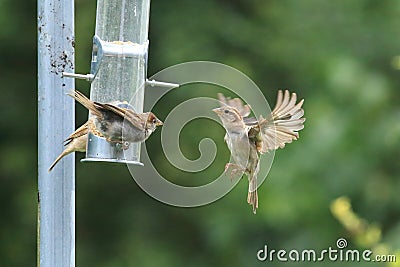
<point x="159" y="123"/>
<point x="217" y="110"/>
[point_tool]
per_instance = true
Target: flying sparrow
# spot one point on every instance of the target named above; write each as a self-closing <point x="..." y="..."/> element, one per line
<point x="247" y="137"/>
<point x="119" y="124"/>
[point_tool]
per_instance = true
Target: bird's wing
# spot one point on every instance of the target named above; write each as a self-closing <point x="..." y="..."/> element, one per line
<point x="81" y="131"/>
<point x="283" y="124"/>
<point x="135" y="119"/>
<point x="127" y="114"/>
<point x="244" y="110"/>
<point x="93" y="107"/>
<point x="250" y="121"/>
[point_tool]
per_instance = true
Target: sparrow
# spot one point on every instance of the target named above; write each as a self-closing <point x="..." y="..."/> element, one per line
<point x="119" y="123"/>
<point x="77" y="141"/>
<point x="248" y="137"/>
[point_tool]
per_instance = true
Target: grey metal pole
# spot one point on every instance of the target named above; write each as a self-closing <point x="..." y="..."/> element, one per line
<point x="56" y="218"/>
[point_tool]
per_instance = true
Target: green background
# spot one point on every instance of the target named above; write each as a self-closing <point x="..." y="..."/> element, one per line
<point x="337" y="55"/>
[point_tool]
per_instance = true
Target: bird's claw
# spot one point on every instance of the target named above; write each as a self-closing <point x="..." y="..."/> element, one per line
<point x="235" y="169"/>
<point x="123" y="145"/>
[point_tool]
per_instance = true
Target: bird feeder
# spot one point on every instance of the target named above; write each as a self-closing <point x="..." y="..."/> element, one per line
<point x="118" y="69"/>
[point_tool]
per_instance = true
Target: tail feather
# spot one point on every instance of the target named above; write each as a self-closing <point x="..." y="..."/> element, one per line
<point x="252" y="196"/>
<point x="76" y="144"/>
<point x="63" y="154"/>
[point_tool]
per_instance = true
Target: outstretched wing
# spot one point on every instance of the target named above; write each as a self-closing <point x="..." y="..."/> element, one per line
<point x="282" y="126"/>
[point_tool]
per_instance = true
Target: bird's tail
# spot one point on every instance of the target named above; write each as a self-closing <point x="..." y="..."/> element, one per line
<point x="63" y="154"/>
<point x="252" y="196"/>
<point x="93" y="107"/>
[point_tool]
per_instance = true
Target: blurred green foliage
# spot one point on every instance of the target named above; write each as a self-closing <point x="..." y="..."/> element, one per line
<point x="337" y="55"/>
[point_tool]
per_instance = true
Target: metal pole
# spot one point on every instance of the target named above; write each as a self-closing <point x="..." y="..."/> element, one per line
<point x="56" y="215"/>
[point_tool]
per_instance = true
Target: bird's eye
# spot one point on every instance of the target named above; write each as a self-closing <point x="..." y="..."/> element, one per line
<point x="154" y="121"/>
<point x="226" y="111"/>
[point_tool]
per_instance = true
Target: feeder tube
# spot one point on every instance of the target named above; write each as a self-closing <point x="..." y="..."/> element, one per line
<point x="121" y="69"/>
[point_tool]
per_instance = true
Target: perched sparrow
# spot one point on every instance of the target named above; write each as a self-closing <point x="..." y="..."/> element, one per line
<point x="248" y="137"/>
<point x="119" y="124"/>
<point x="75" y="142"/>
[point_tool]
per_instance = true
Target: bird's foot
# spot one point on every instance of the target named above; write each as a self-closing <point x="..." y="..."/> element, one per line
<point x="233" y="169"/>
<point x="122" y="145"/>
<point x="125" y="145"/>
